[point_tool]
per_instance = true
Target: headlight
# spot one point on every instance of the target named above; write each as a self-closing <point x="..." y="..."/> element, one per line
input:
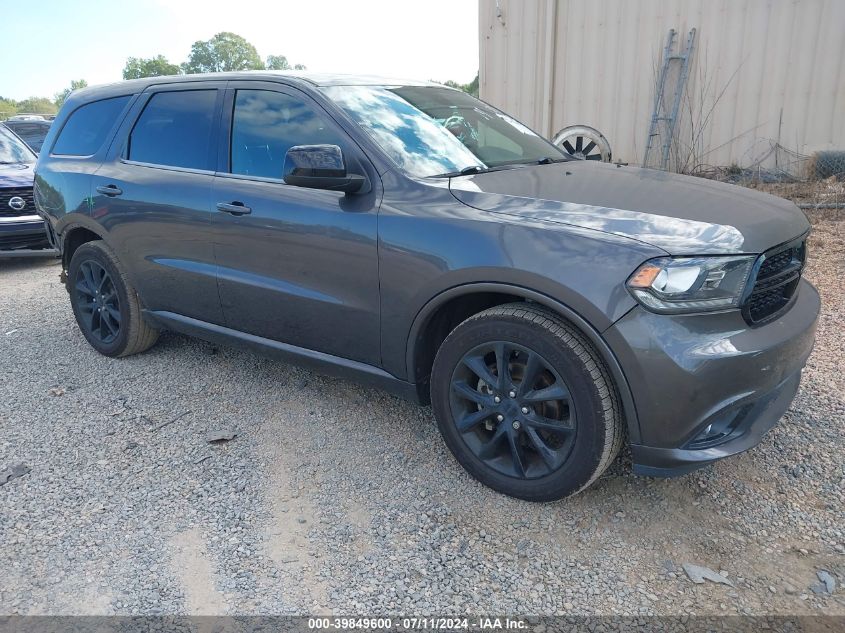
<point x="670" y="285"/>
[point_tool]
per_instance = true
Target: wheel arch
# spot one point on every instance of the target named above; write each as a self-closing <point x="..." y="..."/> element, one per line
<point x="75" y="233"/>
<point x="425" y="330"/>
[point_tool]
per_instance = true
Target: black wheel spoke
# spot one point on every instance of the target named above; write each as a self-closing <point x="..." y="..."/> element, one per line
<point x="533" y="365"/>
<point x="547" y="424"/>
<point x="548" y="455"/>
<point x="83" y="287"/>
<point x="478" y="366"/>
<point x="104" y="281"/>
<point x="114" y="313"/>
<point x="594" y="157"/>
<point x="464" y="390"/>
<point x="589" y="147"/>
<point x="491" y="447"/>
<point x="96" y="322"/>
<point x="517" y="454"/>
<point x="110" y="321"/>
<point x="569" y="147"/>
<point x="579" y="143"/>
<point x="472" y="420"/>
<point x="502" y="366"/>
<point x="88" y="313"/>
<point x="89" y="276"/>
<point x="555" y="391"/>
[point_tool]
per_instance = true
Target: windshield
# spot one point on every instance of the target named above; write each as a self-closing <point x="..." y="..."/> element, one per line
<point x="430" y="131"/>
<point x="12" y="149"/>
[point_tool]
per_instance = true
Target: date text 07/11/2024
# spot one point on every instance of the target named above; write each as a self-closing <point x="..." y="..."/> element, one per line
<point x="418" y="623"/>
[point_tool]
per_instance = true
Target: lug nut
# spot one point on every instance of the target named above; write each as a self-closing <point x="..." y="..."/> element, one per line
<point x="497" y="399"/>
<point x="500" y="417"/>
<point x="525" y="409"/>
<point x="516" y="424"/>
<point x="512" y="394"/>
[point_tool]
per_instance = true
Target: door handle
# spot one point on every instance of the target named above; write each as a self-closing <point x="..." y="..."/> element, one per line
<point x="109" y="190"/>
<point x="234" y="208"/>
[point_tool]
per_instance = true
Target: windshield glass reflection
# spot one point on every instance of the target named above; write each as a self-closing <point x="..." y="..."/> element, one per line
<point x="430" y="131"/>
<point x="13" y="150"/>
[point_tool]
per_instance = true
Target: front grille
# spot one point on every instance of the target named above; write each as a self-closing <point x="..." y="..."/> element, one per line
<point x="21" y="192"/>
<point x="778" y="274"/>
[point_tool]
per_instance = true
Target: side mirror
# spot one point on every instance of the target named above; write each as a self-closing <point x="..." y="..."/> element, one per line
<point x="320" y="167"/>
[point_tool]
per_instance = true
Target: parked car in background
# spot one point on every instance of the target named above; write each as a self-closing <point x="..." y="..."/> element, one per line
<point x="31" y="131"/>
<point x="415" y="238"/>
<point x="22" y="230"/>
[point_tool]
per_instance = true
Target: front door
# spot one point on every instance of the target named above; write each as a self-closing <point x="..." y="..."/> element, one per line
<point x="295" y="265"/>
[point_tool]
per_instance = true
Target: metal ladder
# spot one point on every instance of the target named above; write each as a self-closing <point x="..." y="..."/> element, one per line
<point x="659" y="115"/>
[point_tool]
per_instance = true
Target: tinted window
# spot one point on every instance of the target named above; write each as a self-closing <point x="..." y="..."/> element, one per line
<point x="266" y="124"/>
<point x="175" y="129"/>
<point x="32" y="132"/>
<point x="84" y="132"/>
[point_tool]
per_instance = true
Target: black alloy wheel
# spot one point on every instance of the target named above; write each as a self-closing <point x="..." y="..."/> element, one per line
<point x="513" y="410"/>
<point x="98" y="302"/>
<point x="525" y="403"/>
<point x="106" y="306"/>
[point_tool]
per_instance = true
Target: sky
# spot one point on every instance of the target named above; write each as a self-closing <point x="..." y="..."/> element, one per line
<point x="44" y="49"/>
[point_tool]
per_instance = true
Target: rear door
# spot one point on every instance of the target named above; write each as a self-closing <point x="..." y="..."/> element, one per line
<point x="153" y="195"/>
<point x="301" y="267"/>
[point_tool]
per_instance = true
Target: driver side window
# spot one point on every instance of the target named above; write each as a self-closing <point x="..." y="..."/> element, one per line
<point x="265" y="124"/>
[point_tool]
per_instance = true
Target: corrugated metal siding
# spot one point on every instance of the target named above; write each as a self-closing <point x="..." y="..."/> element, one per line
<point x="779" y="66"/>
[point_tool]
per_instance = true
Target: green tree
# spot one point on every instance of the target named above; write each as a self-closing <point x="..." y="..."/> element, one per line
<point x="470" y="88"/>
<point x="8" y="107"/>
<point x="280" y="62"/>
<point x="225" y="51"/>
<point x="62" y="96"/>
<point x="158" y="66"/>
<point x="37" y="105"/>
<point x="277" y="62"/>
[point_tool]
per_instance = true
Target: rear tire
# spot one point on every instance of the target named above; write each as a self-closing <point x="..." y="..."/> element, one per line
<point x="556" y="424"/>
<point x="105" y="304"/>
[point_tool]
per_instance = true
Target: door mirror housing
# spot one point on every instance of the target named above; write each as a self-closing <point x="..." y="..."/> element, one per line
<point x="320" y="167"/>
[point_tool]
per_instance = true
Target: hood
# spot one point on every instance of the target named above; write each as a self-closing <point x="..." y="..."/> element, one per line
<point x="17" y="175"/>
<point x="683" y="215"/>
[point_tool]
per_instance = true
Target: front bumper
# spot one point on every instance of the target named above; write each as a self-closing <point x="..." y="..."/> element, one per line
<point x="24" y="236"/>
<point x="708" y="386"/>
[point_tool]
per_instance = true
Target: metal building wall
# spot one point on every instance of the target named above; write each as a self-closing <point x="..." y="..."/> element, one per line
<point x="780" y="65"/>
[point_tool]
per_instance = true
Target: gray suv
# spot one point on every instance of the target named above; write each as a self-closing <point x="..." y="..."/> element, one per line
<point x="409" y="236"/>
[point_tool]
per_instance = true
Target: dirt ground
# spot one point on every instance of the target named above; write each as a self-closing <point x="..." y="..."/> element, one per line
<point x="333" y="498"/>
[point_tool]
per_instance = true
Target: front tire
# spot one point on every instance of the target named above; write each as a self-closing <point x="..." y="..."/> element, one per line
<point x="525" y="404"/>
<point x="105" y="304"/>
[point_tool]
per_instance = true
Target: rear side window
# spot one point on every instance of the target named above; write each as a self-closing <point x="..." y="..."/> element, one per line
<point x="175" y="130"/>
<point x="85" y="131"/>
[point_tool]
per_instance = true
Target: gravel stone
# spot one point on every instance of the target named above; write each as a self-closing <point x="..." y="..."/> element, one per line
<point x="128" y="511"/>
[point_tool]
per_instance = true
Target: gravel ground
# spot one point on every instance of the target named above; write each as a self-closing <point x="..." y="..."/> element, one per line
<point x="338" y="499"/>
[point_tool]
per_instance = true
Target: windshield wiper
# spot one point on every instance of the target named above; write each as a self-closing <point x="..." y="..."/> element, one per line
<point x="548" y="160"/>
<point x="466" y="171"/>
<point x="475" y="169"/>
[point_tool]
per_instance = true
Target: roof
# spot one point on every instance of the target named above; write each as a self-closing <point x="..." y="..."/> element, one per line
<point x="290" y="76"/>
